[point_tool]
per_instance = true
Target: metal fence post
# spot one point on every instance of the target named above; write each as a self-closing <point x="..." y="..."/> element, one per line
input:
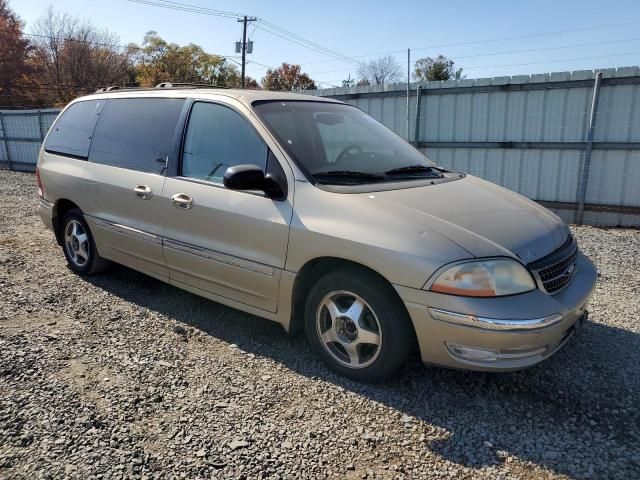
<point x="5" y="137"/>
<point x="42" y="132"/>
<point x="416" y="133"/>
<point x="583" y="174"/>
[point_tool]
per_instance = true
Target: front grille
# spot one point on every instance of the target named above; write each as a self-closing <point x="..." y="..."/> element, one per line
<point x="556" y="270"/>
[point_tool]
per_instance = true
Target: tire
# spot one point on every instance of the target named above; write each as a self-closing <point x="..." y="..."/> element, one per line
<point x="346" y="313"/>
<point x="78" y="245"/>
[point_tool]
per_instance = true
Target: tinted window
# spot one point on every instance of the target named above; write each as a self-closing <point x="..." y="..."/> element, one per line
<point x="71" y="134"/>
<point x="136" y="133"/>
<point x="217" y="138"/>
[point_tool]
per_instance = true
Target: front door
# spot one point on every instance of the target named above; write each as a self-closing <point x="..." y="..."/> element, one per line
<point x="125" y="177"/>
<point x="229" y="243"/>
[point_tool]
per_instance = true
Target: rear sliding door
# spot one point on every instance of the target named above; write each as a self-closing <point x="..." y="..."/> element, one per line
<point x="129" y="153"/>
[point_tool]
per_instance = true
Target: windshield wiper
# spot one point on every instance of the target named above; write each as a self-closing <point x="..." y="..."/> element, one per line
<point x="351" y="175"/>
<point x="415" y="169"/>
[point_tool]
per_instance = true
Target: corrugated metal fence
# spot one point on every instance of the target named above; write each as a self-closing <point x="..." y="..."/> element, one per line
<point x="21" y="134"/>
<point x="545" y="136"/>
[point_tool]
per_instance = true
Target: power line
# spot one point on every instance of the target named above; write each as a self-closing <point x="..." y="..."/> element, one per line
<point x="493" y="40"/>
<point x="297" y="38"/>
<point x="547" y="61"/>
<point x="188" y="8"/>
<point x="273" y="68"/>
<point x="112" y="45"/>
<point x="456" y="58"/>
<point x="553" y="61"/>
<point x="262" y="25"/>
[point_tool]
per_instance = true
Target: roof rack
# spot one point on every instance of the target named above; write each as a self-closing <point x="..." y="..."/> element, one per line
<point x="108" y="89"/>
<point x="160" y="85"/>
<point x="186" y="85"/>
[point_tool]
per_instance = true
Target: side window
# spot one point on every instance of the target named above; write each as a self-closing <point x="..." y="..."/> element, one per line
<point x="71" y="134"/>
<point x="218" y="138"/>
<point x="136" y="133"/>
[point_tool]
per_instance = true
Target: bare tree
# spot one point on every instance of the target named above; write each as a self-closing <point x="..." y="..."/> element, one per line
<point x="380" y="71"/>
<point x="75" y="57"/>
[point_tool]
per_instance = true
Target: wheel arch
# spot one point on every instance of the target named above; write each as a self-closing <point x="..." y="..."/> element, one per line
<point x="315" y="269"/>
<point x="60" y="209"/>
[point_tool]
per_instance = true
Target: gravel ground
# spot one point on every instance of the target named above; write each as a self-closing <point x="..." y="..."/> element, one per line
<point x="121" y="376"/>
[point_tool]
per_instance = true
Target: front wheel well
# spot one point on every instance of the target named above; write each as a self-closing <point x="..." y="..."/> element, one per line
<point x="311" y="272"/>
<point x="60" y="209"/>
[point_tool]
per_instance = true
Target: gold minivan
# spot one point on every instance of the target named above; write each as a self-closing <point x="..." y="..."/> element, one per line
<point x="308" y="212"/>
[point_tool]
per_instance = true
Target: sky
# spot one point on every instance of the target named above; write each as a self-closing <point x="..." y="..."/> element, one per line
<point x="486" y="38"/>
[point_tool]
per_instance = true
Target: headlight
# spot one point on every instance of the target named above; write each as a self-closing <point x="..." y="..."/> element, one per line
<point x="485" y="278"/>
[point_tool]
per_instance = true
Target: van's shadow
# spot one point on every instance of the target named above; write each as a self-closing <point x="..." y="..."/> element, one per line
<point x="577" y="413"/>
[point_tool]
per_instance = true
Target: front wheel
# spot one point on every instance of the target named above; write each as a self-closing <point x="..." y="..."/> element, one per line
<point x="358" y="325"/>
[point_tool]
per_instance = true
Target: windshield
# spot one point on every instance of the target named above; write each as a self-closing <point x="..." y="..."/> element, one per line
<point x="337" y="143"/>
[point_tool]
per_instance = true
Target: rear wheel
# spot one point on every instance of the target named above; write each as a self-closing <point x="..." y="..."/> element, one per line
<point x="358" y="325"/>
<point x="78" y="245"/>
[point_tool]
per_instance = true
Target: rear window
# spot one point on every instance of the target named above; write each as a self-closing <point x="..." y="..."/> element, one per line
<point x="136" y="133"/>
<point x="71" y="134"/>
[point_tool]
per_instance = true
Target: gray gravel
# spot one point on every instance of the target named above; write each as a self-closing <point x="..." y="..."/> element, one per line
<point x="121" y="376"/>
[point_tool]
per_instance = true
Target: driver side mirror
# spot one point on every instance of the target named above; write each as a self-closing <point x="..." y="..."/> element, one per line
<point x="251" y="177"/>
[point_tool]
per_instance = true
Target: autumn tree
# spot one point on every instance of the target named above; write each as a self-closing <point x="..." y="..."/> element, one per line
<point x="159" y="61"/>
<point x="250" y="83"/>
<point x="381" y="71"/>
<point x="439" y="68"/>
<point x="75" y="57"/>
<point x="287" y="78"/>
<point x="17" y="84"/>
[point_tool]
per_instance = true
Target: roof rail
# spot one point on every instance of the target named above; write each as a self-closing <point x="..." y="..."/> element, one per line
<point x="108" y="89"/>
<point x="186" y="85"/>
<point x="160" y="85"/>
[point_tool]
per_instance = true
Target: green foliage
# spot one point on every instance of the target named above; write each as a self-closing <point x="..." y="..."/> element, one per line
<point x="158" y="61"/>
<point x="439" y="68"/>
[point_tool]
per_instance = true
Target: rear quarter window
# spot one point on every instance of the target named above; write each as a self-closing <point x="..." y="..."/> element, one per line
<point x="136" y="133"/>
<point x="71" y="134"/>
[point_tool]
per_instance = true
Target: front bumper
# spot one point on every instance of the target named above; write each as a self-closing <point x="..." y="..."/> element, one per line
<point x="518" y="331"/>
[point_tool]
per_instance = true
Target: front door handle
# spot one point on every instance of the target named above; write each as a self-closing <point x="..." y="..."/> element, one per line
<point x="182" y="200"/>
<point x="143" y="191"/>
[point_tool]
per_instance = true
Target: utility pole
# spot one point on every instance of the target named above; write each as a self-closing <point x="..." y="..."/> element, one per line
<point x="244" y="21"/>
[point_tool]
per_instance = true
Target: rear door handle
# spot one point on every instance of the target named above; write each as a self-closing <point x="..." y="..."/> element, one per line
<point x="143" y="191"/>
<point x="182" y="200"/>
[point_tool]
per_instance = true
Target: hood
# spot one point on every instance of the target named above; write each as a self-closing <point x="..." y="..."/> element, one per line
<point x="481" y="217"/>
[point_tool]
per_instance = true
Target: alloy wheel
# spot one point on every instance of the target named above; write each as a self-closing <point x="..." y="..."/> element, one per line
<point x="349" y="329"/>
<point x="76" y="243"/>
